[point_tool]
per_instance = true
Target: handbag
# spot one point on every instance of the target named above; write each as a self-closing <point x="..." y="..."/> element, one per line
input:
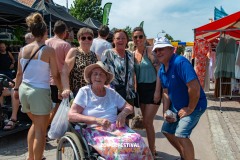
<point x="59" y="123"/>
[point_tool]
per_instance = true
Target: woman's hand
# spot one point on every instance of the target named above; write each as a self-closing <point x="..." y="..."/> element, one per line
<point x="105" y="123"/>
<point x="121" y="118"/>
<point x="66" y="93"/>
<point x="156" y="97"/>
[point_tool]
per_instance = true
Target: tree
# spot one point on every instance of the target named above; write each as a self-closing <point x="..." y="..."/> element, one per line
<point x="83" y="9"/>
<point x="128" y="29"/>
<point x="170" y="38"/>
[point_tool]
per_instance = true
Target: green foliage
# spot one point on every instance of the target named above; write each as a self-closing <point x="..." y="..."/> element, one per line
<point x="180" y="49"/>
<point x="128" y="29"/>
<point x="18" y="33"/>
<point x="83" y="9"/>
<point x="170" y="38"/>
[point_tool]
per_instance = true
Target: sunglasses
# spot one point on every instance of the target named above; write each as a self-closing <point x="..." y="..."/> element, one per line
<point x="136" y="37"/>
<point x="88" y="37"/>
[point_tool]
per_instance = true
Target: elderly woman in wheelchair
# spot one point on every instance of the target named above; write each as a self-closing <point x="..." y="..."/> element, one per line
<point x="104" y="111"/>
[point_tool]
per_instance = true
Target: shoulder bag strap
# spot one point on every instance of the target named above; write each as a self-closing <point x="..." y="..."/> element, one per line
<point x="32" y="57"/>
<point x="126" y="77"/>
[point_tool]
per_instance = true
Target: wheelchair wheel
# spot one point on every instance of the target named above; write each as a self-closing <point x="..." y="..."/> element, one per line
<point x="69" y="148"/>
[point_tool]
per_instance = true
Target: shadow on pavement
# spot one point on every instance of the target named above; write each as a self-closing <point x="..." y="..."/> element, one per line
<point x="165" y="156"/>
<point x="49" y="146"/>
<point x="159" y="135"/>
<point x="223" y="108"/>
<point x="157" y="117"/>
<point x="15" y="144"/>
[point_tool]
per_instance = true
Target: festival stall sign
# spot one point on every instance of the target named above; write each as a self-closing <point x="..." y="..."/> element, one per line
<point x="175" y="44"/>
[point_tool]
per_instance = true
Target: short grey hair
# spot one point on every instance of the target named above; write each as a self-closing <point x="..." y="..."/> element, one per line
<point x="29" y="35"/>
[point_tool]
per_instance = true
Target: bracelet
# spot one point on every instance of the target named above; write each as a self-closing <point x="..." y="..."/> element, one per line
<point x="15" y="89"/>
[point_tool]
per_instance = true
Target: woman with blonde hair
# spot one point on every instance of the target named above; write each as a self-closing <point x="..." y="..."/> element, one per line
<point x="35" y="62"/>
<point x="76" y="60"/>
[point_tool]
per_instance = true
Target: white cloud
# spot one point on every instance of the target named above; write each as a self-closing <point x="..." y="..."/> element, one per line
<point x="177" y="17"/>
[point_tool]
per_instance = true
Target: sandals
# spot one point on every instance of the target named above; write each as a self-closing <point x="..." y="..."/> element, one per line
<point x="11" y="124"/>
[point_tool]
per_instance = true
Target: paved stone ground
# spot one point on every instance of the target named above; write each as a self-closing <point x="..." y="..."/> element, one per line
<point x="225" y="127"/>
<point x="223" y="141"/>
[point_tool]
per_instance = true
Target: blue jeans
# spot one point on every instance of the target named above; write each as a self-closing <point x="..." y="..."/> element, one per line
<point x="183" y="127"/>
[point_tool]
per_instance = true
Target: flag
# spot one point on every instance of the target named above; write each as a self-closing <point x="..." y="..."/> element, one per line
<point x="106" y="11"/>
<point x="222" y="10"/>
<point x="141" y="24"/>
<point x="219" y="13"/>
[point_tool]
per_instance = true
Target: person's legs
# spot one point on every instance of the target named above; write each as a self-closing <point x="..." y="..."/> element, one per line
<point x="184" y="130"/>
<point x="188" y="149"/>
<point x="40" y="130"/>
<point x="5" y="92"/>
<point x="175" y="143"/>
<point x="15" y="107"/>
<point x="54" y="97"/>
<point x="169" y="129"/>
<point x="13" y="119"/>
<point x="52" y="114"/>
<point x="30" y="138"/>
<point x="149" y="111"/>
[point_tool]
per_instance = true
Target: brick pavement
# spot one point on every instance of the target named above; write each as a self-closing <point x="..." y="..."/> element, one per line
<point x="224" y="127"/>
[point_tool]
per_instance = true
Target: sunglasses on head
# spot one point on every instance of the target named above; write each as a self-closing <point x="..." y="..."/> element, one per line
<point x="88" y="37"/>
<point x="136" y="37"/>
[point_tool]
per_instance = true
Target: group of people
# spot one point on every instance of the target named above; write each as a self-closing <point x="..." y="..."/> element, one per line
<point x="104" y="80"/>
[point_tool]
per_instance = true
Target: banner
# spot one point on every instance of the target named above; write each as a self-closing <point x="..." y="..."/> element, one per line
<point x="141" y="24"/>
<point x="219" y="13"/>
<point x="106" y="11"/>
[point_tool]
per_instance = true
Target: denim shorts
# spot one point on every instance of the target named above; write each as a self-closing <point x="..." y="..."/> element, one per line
<point x="183" y="127"/>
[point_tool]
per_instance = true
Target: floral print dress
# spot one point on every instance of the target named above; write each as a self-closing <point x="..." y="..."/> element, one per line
<point x="117" y="143"/>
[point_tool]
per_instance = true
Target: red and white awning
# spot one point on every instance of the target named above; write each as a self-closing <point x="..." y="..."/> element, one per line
<point x="229" y="25"/>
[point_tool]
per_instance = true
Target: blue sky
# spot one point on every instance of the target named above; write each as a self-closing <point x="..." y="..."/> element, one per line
<point x="178" y="18"/>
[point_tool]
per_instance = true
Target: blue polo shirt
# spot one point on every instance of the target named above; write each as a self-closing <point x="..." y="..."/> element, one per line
<point x="179" y="73"/>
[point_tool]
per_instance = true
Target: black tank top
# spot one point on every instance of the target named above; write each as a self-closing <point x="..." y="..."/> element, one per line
<point x="5" y="61"/>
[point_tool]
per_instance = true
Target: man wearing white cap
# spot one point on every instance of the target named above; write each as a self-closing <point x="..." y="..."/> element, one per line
<point x="182" y="95"/>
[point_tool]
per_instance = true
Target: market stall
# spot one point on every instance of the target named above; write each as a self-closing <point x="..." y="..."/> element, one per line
<point x="220" y="37"/>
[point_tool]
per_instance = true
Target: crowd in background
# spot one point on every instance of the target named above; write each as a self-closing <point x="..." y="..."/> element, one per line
<point x="57" y="68"/>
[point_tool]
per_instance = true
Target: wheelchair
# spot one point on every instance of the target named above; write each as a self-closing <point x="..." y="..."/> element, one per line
<point x="73" y="145"/>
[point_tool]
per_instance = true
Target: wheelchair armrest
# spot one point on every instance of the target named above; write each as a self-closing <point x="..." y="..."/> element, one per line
<point x="81" y="125"/>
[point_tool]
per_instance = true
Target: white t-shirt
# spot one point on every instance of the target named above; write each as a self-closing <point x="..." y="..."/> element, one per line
<point x="101" y="107"/>
<point x="99" y="45"/>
